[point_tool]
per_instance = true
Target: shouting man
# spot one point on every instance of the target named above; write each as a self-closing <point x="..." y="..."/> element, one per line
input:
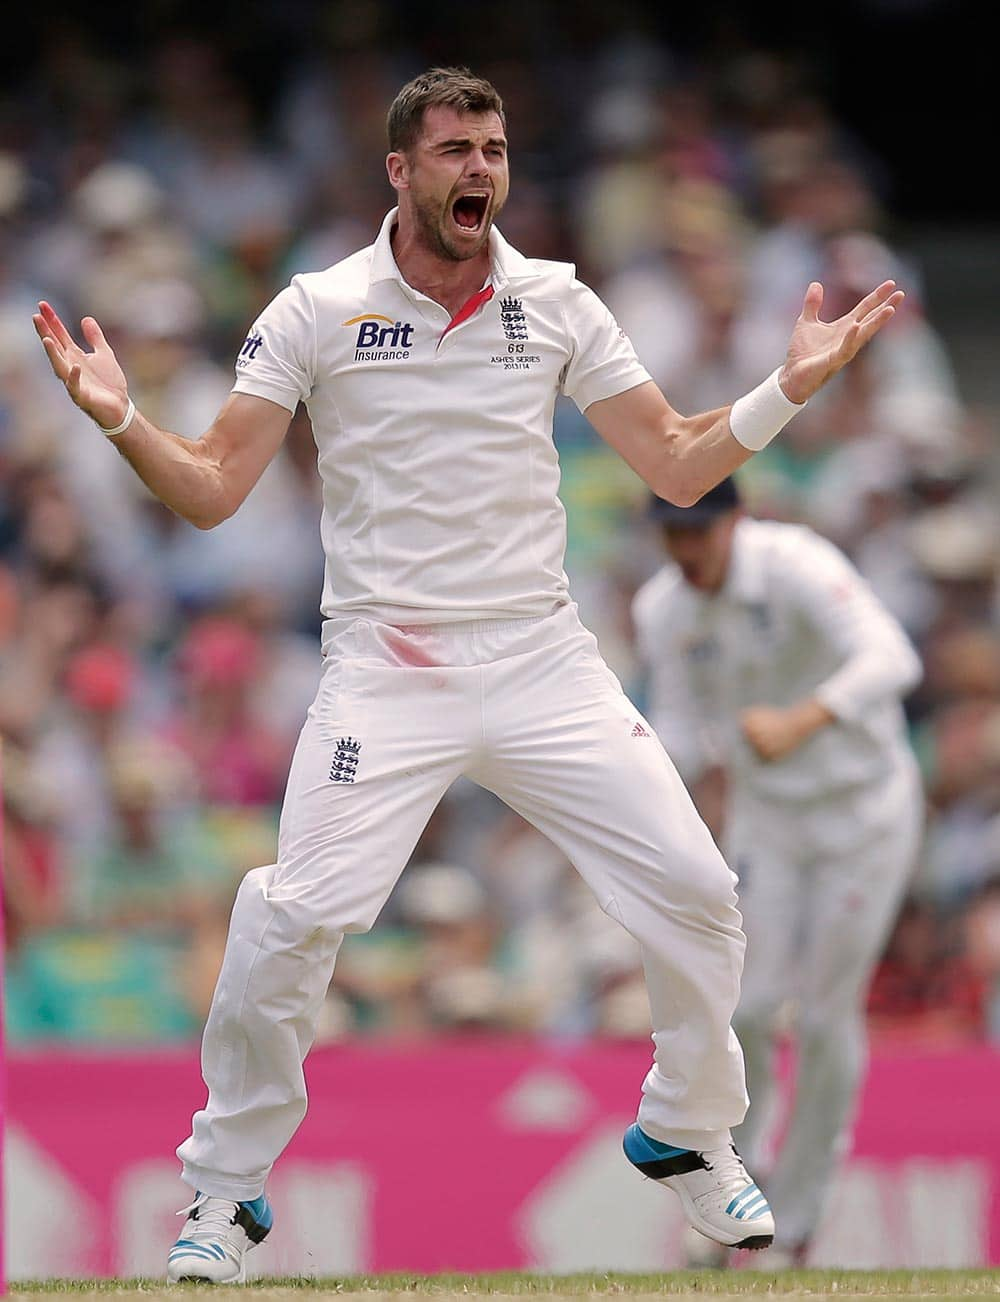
<point x="429" y="364"/>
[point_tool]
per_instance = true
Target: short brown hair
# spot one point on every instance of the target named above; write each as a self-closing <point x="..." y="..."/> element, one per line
<point x="455" y="87"/>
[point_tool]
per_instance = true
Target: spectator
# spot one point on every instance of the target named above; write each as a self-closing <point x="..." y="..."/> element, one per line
<point x="181" y="188"/>
<point x="237" y="759"/>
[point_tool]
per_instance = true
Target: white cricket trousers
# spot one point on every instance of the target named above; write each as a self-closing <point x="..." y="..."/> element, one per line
<point x="819" y="890"/>
<point x="527" y="709"/>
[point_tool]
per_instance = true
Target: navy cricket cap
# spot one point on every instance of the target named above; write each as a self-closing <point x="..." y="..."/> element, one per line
<point x="717" y="501"/>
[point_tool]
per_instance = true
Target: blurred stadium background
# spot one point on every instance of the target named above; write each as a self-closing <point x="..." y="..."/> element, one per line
<point x="168" y="168"/>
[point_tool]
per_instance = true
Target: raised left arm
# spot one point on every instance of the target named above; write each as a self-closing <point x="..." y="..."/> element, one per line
<point x="682" y="457"/>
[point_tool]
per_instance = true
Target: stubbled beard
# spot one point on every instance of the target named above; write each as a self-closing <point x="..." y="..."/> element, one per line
<point x="429" y="217"/>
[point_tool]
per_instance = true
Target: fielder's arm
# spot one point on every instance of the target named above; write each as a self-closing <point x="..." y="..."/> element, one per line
<point x="682" y="457"/>
<point x="204" y="481"/>
<point x="877" y="661"/>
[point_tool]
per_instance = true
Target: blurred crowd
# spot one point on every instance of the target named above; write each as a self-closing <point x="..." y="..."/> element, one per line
<point x="153" y="678"/>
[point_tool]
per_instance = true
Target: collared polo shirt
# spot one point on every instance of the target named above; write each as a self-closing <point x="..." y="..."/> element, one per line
<point x="434" y="436"/>
<point x="793" y="620"/>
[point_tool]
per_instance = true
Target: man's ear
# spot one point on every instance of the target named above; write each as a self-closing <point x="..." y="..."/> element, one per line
<point x="397" y="165"/>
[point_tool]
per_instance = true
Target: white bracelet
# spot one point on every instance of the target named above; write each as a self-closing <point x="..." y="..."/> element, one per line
<point x="120" y="429"/>
<point x="761" y="414"/>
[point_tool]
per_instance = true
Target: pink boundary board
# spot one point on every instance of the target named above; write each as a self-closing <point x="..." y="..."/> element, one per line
<point x="448" y="1168"/>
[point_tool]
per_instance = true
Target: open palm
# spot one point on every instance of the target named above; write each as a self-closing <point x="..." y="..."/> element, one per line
<point x="94" y="380"/>
<point x="818" y="349"/>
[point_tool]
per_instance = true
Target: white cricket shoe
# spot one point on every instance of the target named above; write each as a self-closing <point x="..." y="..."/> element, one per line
<point x="216" y="1238"/>
<point x="718" y="1196"/>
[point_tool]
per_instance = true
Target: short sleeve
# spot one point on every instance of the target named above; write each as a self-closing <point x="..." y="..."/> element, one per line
<point x="277" y="360"/>
<point x="603" y="362"/>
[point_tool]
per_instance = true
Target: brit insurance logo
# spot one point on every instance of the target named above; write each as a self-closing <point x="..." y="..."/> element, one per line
<point x="248" y="352"/>
<point x="515" y="330"/>
<point x="380" y="339"/>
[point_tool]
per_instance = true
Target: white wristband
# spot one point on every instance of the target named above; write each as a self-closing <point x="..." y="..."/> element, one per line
<point x="761" y="414"/>
<point x="120" y="429"/>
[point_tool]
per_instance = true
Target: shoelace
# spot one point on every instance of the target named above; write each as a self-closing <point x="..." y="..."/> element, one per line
<point x="212" y="1220"/>
<point x="727" y="1165"/>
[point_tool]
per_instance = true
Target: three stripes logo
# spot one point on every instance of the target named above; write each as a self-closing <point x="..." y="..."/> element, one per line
<point x="206" y="1250"/>
<point x="748" y="1205"/>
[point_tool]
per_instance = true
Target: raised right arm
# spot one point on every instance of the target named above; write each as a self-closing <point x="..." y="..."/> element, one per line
<point x="204" y="481"/>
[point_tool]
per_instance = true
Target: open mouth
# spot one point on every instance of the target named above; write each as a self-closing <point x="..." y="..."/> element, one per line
<point x="469" y="212"/>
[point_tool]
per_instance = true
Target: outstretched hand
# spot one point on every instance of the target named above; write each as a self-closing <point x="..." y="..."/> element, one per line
<point x="94" y="380"/>
<point x="818" y="349"/>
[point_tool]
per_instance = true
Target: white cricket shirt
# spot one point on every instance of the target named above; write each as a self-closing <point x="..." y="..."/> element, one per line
<point x="793" y="619"/>
<point x="434" y="437"/>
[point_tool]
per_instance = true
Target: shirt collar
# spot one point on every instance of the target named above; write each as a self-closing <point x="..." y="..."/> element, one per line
<point x="506" y="263"/>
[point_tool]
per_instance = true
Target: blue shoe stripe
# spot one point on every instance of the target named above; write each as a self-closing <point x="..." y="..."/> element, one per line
<point x="750" y="1210"/>
<point x="740" y="1198"/>
<point x="186" y="1248"/>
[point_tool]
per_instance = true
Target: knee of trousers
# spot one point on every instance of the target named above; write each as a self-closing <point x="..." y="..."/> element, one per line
<point x="692" y="928"/>
<point x="822" y="1029"/>
<point x="700" y="886"/>
<point x="277" y="920"/>
<point x="329" y="898"/>
<point x="755" y="1017"/>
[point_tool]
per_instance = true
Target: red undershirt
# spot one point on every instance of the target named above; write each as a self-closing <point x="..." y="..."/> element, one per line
<point x="470" y="306"/>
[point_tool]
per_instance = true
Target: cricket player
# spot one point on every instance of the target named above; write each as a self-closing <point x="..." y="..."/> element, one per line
<point x="429" y="363"/>
<point x="769" y="656"/>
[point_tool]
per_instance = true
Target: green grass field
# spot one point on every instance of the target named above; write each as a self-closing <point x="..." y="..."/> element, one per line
<point x="721" y="1284"/>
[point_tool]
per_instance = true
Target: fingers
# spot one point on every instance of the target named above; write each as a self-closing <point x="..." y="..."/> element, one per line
<point x="812" y="302"/>
<point x="856" y="331"/>
<point x="56" y="356"/>
<point x="875" y="299"/>
<point x="93" y="333"/>
<point x="873" y="323"/>
<point x="55" y="326"/>
<point x="892" y="302"/>
<point x="885" y="295"/>
<point x="42" y="330"/>
<point x="71" y="373"/>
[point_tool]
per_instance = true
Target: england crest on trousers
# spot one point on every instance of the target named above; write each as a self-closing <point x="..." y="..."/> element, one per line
<point x="345" y="760"/>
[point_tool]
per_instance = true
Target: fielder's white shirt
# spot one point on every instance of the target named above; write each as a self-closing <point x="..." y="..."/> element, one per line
<point x="434" y="437"/>
<point x="793" y="619"/>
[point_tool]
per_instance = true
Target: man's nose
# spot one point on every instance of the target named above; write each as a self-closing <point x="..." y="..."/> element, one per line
<point x="476" y="164"/>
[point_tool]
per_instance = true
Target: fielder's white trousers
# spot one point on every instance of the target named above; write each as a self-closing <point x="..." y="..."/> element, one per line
<point x="529" y="710"/>
<point x="819" y="890"/>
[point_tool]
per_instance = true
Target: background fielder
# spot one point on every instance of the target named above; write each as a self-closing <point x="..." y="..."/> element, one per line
<point x="451" y="641"/>
<point x="770" y="658"/>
